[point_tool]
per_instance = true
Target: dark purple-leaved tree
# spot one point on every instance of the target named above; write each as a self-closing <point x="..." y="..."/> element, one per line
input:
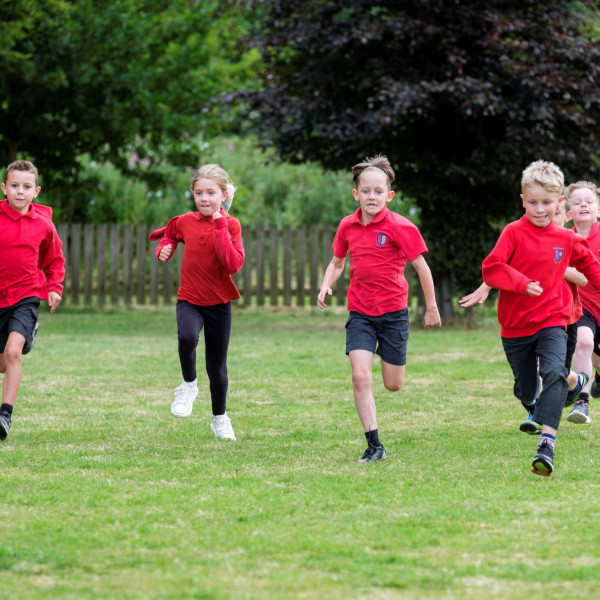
<point x="460" y="95"/>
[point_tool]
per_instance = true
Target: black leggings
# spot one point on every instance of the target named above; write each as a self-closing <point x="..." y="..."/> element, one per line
<point x="216" y="321"/>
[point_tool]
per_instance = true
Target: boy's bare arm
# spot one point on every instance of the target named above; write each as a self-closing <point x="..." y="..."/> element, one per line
<point x="432" y="315"/>
<point x="332" y="274"/>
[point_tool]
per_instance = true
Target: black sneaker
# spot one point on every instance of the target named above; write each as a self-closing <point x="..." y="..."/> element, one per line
<point x="5" y="424"/>
<point x="530" y="426"/>
<point x="373" y="453"/>
<point x="595" y="388"/>
<point x="573" y="395"/>
<point x="580" y="413"/>
<point x="543" y="463"/>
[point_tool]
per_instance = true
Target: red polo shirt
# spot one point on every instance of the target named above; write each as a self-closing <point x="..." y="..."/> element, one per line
<point x="378" y="253"/>
<point x="31" y="261"/>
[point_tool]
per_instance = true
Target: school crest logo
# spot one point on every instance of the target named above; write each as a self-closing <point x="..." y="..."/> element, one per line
<point x="558" y="254"/>
<point x="381" y="239"/>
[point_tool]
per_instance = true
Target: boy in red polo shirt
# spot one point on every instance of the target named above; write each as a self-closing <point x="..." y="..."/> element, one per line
<point x="583" y="196"/>
<point x="380" y="243"/>
<point x="32" y="268"/>
<point x="527" y="265"/>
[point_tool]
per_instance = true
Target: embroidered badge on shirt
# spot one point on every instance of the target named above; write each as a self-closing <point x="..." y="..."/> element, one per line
<point x="381" y="239"/>
<point x="558" y="254"/>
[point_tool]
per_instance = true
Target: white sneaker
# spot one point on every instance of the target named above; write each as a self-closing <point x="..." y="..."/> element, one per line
<point x="221" y="427"/>
<point x="184" y="401"/>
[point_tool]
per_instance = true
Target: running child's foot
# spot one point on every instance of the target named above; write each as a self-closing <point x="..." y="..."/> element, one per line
<point x="221" y="427"/>
<point x="373" y="453"/>
<point x="580" y="413"/>
<point x="530" y="426"/>
<point x="184" y="401"/>
<point x="5" y="425"/>
<point x="573" y="394"/>
<point x="595" y="387"/>
<point x="543" y="463"/>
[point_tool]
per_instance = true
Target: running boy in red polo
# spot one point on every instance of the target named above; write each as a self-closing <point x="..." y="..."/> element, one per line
<point x="380" y="242"/>
<point x="527" y="265"/>
<point x="31" y="269"/>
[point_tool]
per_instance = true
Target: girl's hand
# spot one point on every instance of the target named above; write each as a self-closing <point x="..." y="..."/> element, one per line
<point x="165" y="253"/>
<point x="54" y="299"/>
<point x="217" y="215"/>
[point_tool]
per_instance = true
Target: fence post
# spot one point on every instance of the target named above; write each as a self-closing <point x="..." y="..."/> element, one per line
<point x="88" y="264"/>
<point x="300" y="264"/>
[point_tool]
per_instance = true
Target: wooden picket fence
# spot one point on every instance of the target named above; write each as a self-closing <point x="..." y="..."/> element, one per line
<point x="116" y="265"/>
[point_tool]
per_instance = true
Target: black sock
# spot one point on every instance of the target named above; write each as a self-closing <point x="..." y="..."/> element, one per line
<point x="6" y="409"/>
<point x="373" y="438"/>
<point x="584" y="397"/>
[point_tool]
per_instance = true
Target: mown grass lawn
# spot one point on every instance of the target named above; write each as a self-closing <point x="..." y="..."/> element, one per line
<point x="106" y="495"/>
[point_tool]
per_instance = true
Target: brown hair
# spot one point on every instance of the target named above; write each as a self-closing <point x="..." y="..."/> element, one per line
<point x="21" y="165"/>
<point x="377" y="162"/>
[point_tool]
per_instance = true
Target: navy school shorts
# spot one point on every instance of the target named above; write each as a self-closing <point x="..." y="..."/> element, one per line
<point x="21" y="317"/>
<point x="385" y="335"/>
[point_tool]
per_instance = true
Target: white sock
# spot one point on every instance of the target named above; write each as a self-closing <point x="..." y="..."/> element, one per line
<point x="192" y="385"/>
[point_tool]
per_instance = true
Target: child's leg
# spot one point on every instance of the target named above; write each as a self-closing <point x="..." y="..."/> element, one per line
<point x="10" y="365"/>
<point x="217" y="330"/>
<point x="189" y="325"/>
<point x="361" y="362"/>
<point x="392" y="375"/>
<point x="521" y="356"/>
<point x="551" y="347"/>
<point x="582" y="360"/>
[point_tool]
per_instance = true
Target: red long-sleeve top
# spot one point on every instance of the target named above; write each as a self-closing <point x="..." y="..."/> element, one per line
<point x="31" y="260"/>
<point x="213" y="252"/>
<point x="525" y="253"/>
<point x="590" y="297"/>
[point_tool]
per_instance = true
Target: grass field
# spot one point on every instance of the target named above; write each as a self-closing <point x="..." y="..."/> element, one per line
<point x="106" y="496"/>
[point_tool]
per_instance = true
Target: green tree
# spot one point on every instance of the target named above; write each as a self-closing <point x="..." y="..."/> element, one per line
<point x="460" y="95"/>
<point x="119" y="80"/>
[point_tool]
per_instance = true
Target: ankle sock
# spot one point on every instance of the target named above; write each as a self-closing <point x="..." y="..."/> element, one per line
<point x="6" y="409"/>
<point x="551" y="439"/>
<point x="373" y="438"/>
<point x="192" y="385"/>
<point x="584" y="397"/>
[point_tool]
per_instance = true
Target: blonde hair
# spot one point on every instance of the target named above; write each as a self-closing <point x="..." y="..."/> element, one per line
<point x="580" y="185"/>
<point x="220" y="177"/>
<point x="21" y="165"/>
<point x="543" y="173"/>
<point x="377" y="162"/>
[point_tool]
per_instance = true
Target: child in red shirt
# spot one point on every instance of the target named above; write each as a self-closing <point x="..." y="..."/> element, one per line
<point x="528" y="265"/>
<point x="213" y="252"/>
<point x="583" y="196"/>
<point x="32" y="268"/>
<point x="380" y="243"/>
<point x="572" y="280"/>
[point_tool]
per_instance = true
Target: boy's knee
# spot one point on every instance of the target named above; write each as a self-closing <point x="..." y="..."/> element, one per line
<point x="393" y="386"/>
<point x="12" y="356"/>
<point x="361" y="379"/>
